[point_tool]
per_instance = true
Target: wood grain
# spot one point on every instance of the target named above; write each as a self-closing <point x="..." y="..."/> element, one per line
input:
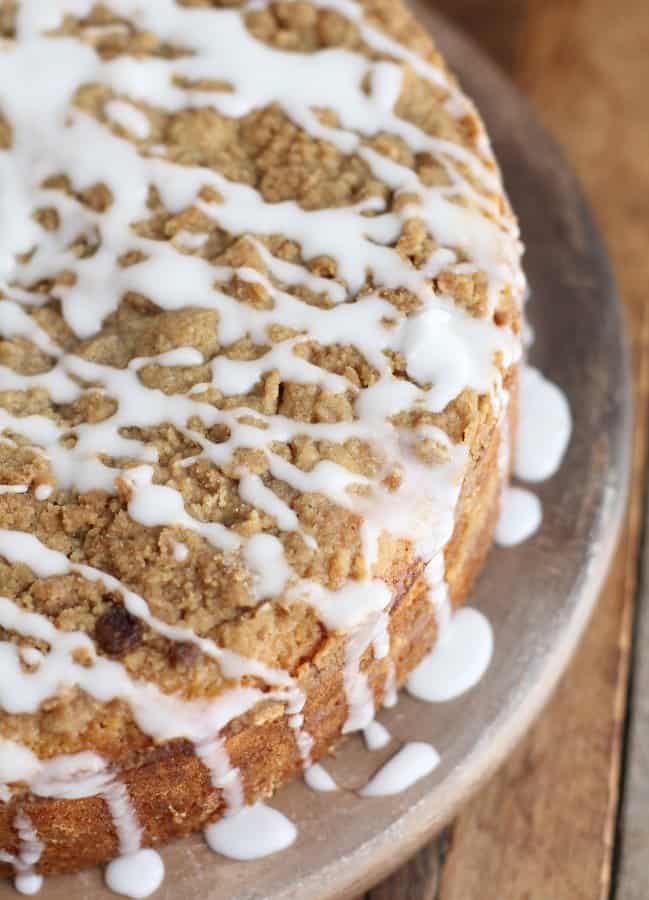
<point x="544" y="827"/>
<point x="418" y="880"/>
<point x="633" y="838"/>
<point x="633" y="833"/>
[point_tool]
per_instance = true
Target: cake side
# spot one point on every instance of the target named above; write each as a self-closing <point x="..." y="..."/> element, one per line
<point x="260" y="336"/>
<point x="169" y="787"/>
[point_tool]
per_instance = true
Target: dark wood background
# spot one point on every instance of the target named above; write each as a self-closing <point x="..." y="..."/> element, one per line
<point x="567" y="818"/>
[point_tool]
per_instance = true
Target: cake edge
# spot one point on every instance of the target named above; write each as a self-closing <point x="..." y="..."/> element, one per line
<point x="170" y="788"/>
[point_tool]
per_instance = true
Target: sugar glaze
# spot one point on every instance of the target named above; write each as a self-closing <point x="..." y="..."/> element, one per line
<point x="442" y="346"/>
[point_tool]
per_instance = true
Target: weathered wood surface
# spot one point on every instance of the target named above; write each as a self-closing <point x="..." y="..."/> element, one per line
<point x="632" y="850"/>
<point x="545" y="828"/>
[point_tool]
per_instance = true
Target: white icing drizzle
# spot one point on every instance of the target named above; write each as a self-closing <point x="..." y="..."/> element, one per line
<point x="520" y="517"/>
<point x="181" y="552"/>
<point x="254" y="832"/>
<point x="376" y="736"/>
<point x="445" y="351"/>
<point x="17" y="762"/>
<point x="458" y="660"/>
<point x="28" y="883"/>
<point x="190" y="240"/>
<point x="29" y="852"/>
<point x="438" y="593"/>
<point x="129" y="833"/>
<point x="73" y="777"/>
<point x="464" y="649"/>
<point x="544" y="429"/>
<point x="415" y="760"/>
<point x="543" y="435"/>
<point x="31" y="656"/>
<point x="360" y="699"/>
<point x="128" y="117"/>
<point x="31" y="847"/>
<point x="137" y="876"/>
<point x="504" y="445"/>
<point x="318" y="779"/>
<point x="390" y="693"/>
<point x="224" y="776"/>
<point x="104" y="678"/>
<point x="381" y="649"/>
<point x="303" y="740"/>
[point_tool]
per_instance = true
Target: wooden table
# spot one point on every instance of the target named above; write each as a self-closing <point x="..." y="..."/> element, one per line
<point x="567" y="818"/>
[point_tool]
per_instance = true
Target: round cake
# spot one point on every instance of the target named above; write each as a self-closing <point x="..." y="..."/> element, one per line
<point x="260" y="304"/>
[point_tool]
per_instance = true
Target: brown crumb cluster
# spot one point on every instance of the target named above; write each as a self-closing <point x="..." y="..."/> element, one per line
<point x="211" y="592"/>
<point x="112" y="36"/>
<point x="303" y="28"/>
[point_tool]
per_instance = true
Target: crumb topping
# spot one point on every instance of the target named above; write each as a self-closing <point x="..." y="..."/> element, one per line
<point x="246" y="309"/>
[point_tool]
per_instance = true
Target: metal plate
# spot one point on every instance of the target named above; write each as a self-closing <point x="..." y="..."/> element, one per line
<point x="538" y="596"/>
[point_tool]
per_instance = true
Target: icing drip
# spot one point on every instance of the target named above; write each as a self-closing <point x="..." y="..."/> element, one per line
<point x="17" y="762"/>
<point x="520" y="517"/>
<point x="254" y="832"/>
<point x="224" y="776"/>
<point x="438" y="592"/>
<point x="458" y="660"/>
<point x="128" y="117"/>
<point x="129" y="833"/>
<point x="31" y="656"/>
<point x="544" y="429"/>
<point x="390" y="693"/>
<point x="86" y="775"/>
<point x="28" y="883"/>
<point x="137" y="876"/>
<point x="181" y="552"/>
<point x="303" y="739"/>
<point x="136" y="872"/>
<point x="30" y="849"/>
<point x="360" y="699"/>
<point x="376" y="736"/>
<point x="414" y="761"/>
<point x="318" y="779"/>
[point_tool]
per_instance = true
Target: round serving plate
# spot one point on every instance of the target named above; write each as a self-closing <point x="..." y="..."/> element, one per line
<point x="538" y="596"/>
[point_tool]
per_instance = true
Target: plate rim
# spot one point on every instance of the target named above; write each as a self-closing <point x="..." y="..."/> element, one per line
<point x="377" y="858"/>
<point x="368" y="862"/>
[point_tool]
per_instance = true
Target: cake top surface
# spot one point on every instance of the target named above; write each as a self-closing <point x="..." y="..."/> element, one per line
<point x="258" y="280"/>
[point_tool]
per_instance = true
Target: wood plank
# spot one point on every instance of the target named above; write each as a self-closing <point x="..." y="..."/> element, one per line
<point x="633" y="850"/>
<point x="544" y="827"/>
<point x="417" y="880"/>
